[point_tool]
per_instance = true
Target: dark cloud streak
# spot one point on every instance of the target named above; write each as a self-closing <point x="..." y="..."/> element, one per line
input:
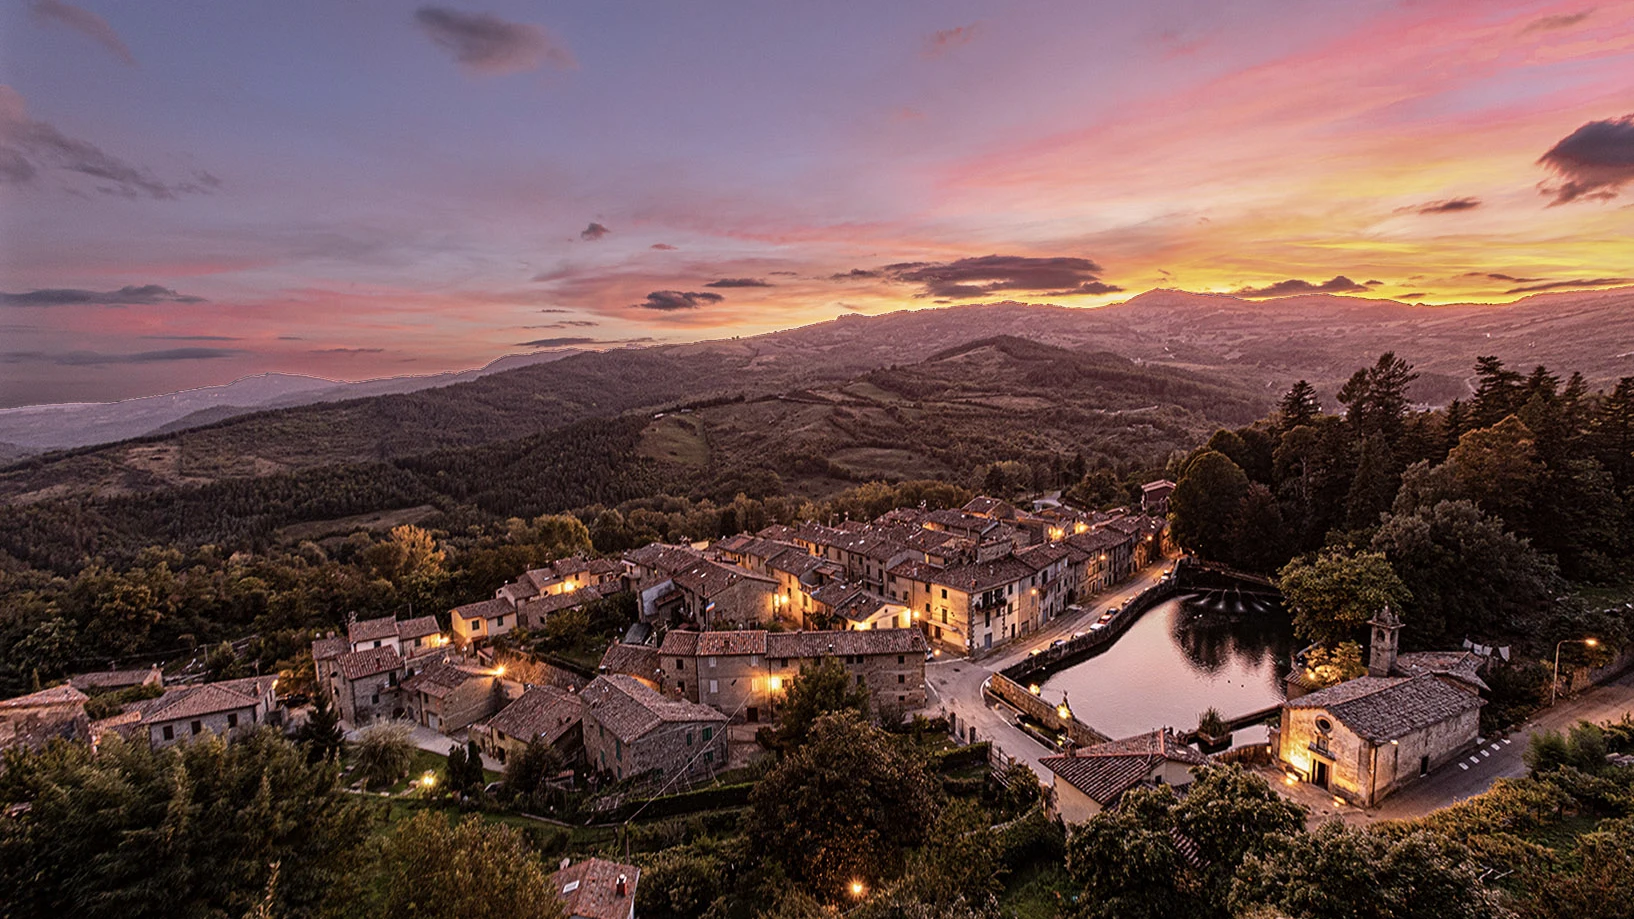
<point x="129" y="295"/>
<point x="484" y="44"/>
<point x="1593" y="162"/>
<point x="593" y="232"/>
<point x="86" y="23"/>
<point x="740" y="282"/>
<point x="967" y="278"/>
<point x="666" y="301"/>
<point x="1337" y="285"/>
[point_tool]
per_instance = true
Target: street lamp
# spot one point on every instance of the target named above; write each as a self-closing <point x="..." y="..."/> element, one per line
<point x="1554" y="685"/>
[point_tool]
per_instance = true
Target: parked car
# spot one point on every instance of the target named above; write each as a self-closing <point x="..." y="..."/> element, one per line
<point x="1058" y="642"/>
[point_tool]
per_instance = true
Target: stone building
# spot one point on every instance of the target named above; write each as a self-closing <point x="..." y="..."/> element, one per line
<point x="33" y="720"/>
<point x="482" y="620"/>
<point x="1090" y="779"/>
<point x="744" y="674"/>
<point x="450" y="694"/>
<point x="639" y="661"/>
<point x="230" y="709"/>
<point x="630" y="730"/>
<point x="367" y="685"/>
<point x="98" y="681"/>
<point x="1366" y="737"/>
<point x="542" y="714"/>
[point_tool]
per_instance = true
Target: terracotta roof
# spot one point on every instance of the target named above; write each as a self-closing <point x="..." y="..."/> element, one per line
<point x="589" y="889"/>
<point x="418" y="627"/>
<point x="923" y="572"/>
<point x="836" y="594"/>
<point x="1042" y="556"/>
<point x="846" y="642"/>
<point x="326" y="649"/>
<point x="1097" y="541"/>
<point x="484" y="609"/>
<point x="1378" y="709"/>
<point x="116" y="679"/>
<point x="372" y="629"/>
<point x="983" y="506"/>
<point x="65" y="694"/>
<point x="959" y="520"/>
<point x="367" y="663"/>
<point x="1105" y="771"/>
<point x="205" y="699"/>
<point x="566" y="600"/>
<point x="441" y="677"/>
<point x="706" y="578"/>
<point x="795" y="562"/>
<point x="634" y="660"/>
<point x="541" y="713"/>
<point x="1161" y="485"/>
<point x="735" y="544"/>
<point x="721" y="643"/>
<point x="630" y="709"/>
<point x="777" y="531"/>
<point x="862" y="605"/>
<point x="979" y="576"/>
<point x="662" y="558"/>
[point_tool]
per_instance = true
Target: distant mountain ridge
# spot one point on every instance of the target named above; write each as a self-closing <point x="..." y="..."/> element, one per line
<point x="1261" y="347"/>
<point x="40" y="428"/>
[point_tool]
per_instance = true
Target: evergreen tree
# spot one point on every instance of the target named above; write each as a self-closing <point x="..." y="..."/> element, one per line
<point x="1299" y="406"/>
<point x="1375" y="398"/>
<point x="1497" y="392"/>
<point x="321" y="735"/>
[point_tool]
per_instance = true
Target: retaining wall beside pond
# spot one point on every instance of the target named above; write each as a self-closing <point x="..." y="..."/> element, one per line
<point x="1039" y="667"/>
<point x="1017" y="696"/>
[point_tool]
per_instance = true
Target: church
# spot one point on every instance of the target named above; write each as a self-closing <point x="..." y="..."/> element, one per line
<point x="1367" y="737"/>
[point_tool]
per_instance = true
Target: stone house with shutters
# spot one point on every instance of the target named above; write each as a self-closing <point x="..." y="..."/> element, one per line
<point x="408" y="637"/>
<point x="1087" y="780"/>
<point x="630" y="730"/>
<point x="231" y="709"/>
<point x="447" y="695"/>
<point x="542" y="714"/>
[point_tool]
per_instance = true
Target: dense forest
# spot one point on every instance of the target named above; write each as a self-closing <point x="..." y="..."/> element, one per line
<point x="1501" y="519"/>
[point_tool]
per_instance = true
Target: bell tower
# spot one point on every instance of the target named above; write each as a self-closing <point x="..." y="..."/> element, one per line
<point x="1381" y="658"/>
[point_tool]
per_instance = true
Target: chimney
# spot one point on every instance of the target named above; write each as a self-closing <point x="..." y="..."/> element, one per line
<point x="622" y="886"/>
<point x="564" y="864"/>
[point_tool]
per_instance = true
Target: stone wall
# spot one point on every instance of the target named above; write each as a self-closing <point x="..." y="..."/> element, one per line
<point x="1043" y="712"/>
<point x="373" y="698"/>
<point x="669" y="748"/>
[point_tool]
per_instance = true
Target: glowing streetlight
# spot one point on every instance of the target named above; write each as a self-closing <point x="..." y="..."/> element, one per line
<point x="857" y="889"/>
<point x="1554" y="685"/>
<point x="500" y="670"/>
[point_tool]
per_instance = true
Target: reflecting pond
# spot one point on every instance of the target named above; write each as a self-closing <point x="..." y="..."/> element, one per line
<point x="1220" y="648"/>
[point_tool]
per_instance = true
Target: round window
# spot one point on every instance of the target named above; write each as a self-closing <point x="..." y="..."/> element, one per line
<point x="1324" y="725"/>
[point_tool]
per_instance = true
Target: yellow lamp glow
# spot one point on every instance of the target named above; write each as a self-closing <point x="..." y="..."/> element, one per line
<point x="500" y="670"/>
<point x="776" y="683"/>
<point x="1591" y="642"/>
<point x="857" y="888"/>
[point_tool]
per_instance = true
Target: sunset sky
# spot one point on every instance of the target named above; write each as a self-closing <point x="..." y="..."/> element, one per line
<point x="192" y="192"/>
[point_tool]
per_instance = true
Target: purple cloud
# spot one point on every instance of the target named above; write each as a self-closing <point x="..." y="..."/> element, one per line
<point x="129" y="295"/>
<point x="593" y="232"/>
<point x="484" y="44"/>
<point x="1338" y="285"/>
<point x="670" y="300"/>
<point x="1595" y="161"/>
<point x="740" y="282"/>
<point x="1580" y="282"/>
<point x="944" y="40"/>
<point x="28" y="146"/>
<point x="86" y="23"/>
<point x="988" y="274"/>
<point x="1447" y="206"/>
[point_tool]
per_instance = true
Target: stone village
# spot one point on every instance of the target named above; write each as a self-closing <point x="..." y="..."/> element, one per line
<point x="723" y="629"/>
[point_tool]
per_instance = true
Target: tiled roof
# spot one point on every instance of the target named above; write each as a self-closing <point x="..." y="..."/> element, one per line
<point x="65" y="694"/>
<point x="960" y="520"/>
<point x="634" y="660"/>
<point x="1378" y="709"/>
<point x="924" y="572"/>
<point x="721" y="643"/>
<point x="847" y="642"/>
<point x="681" y="643"/>
<point x="484" y="609"/>
<point x="1460" y="665"/>
<point x="1097" y="541"/>
<point x="662" y="558"/>
<point x="116" y="679"/>
<point x="205" y="699"/>
<point x="630" y="709"/>
<point x="372" y="629"/>
<point x="979" y="576"/>
<point x="566" y="600"/>
<point x="795" y="562"/>
<point x="440" y="677"/>
<point x="862" y="605"/>
<point x="707" y="579"/>
<point x="541" y="713"/>
<point x="983" y="506"/>
<point x="325" y="649"/>
<point x="367" y="663"/>
<point x="589" y="889"/>
<point x="1105" y="771"/>
<point x="1042" y="556"/>
<point x="835" y="594"/>
<point x="418" y="627"/>
<point x="1161" y="486"/>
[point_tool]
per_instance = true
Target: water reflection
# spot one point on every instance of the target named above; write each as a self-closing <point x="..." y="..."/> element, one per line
<point x="1181" y="657"/>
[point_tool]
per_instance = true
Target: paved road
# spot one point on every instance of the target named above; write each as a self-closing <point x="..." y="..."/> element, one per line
<point x="1498" y="759"/>
<point x="956" y="685"/>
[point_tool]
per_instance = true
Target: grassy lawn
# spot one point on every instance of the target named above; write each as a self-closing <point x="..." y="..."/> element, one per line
<point x="1037" y="892"/>
<point x="677" y="439"/>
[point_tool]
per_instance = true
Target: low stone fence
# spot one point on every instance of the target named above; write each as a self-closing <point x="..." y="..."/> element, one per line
<point x="1017" y="696"/>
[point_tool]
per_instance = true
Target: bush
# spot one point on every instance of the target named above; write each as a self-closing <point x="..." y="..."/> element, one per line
<point x="383" y="754"/>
